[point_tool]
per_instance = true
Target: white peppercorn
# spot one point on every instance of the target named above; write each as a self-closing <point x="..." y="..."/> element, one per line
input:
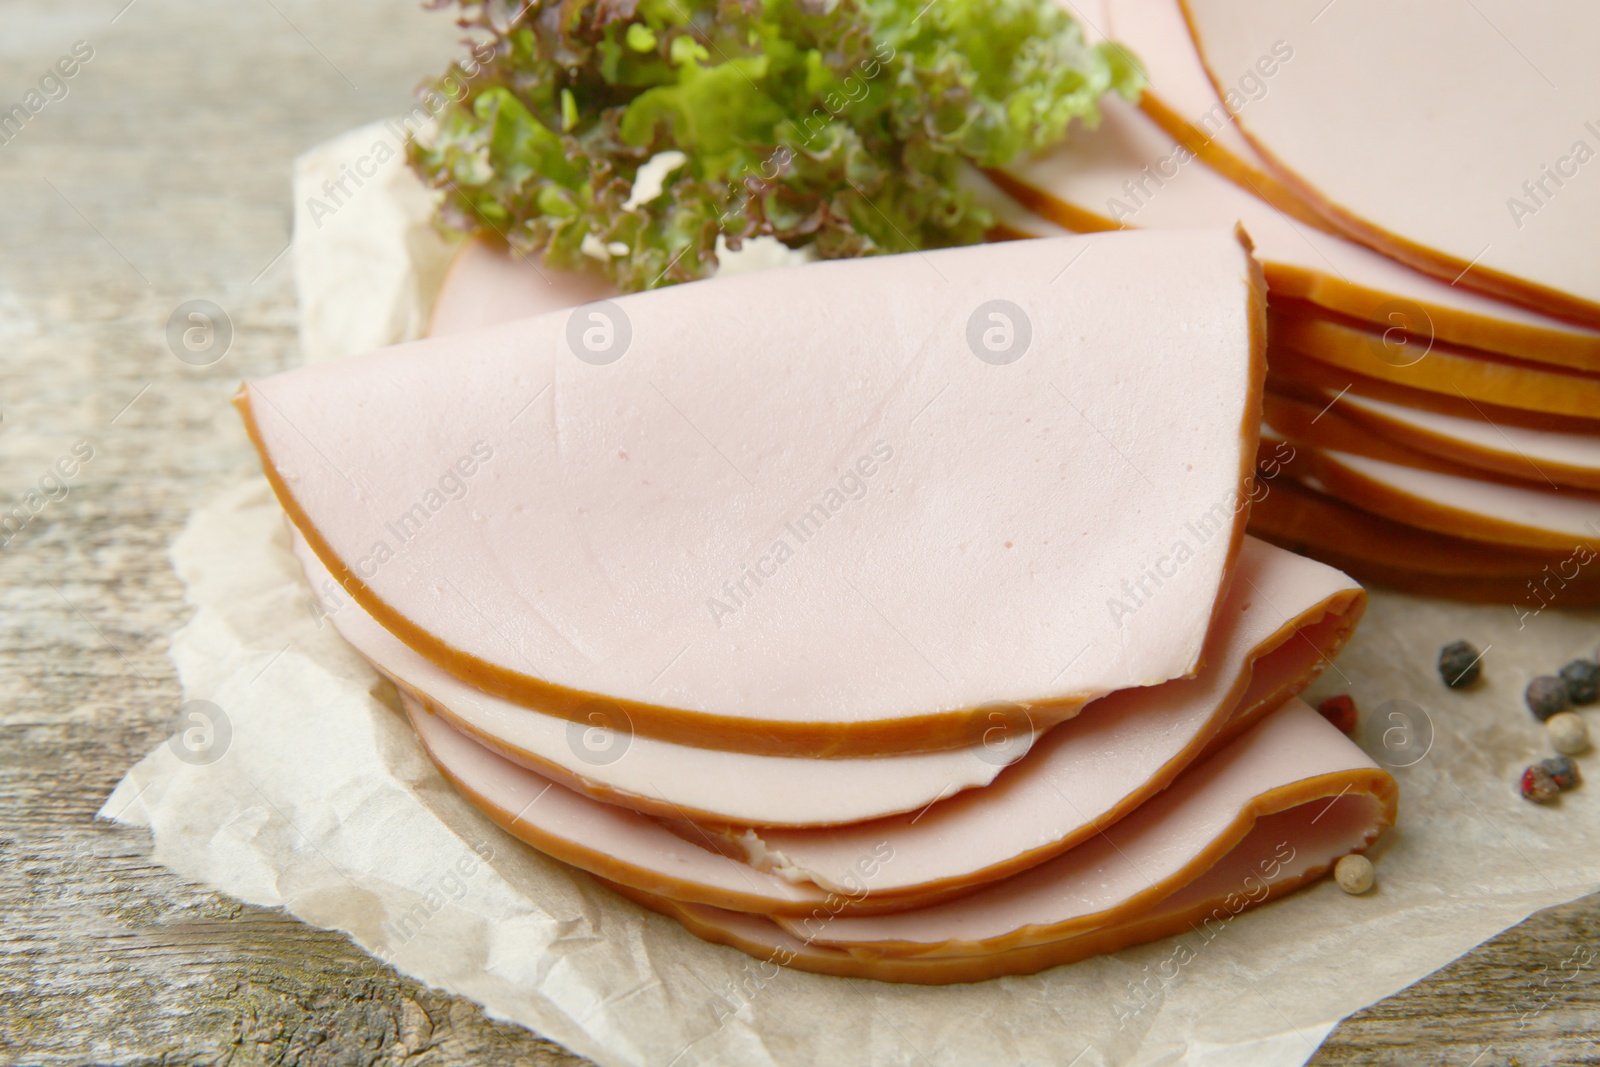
<point x="1354" y="874"/>
<point x="1569" y="735"/>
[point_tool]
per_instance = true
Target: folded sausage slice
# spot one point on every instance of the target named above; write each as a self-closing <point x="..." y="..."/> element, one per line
<point x="607" y="840"/>
<point x="601" y="759"/>
<point x="832" y="510"/>
<point x="1284" y="619"/>
<point x="1129" y="173"/>
<point x="1294" y="834"/>
<point x="1383" y="119"/>
<point x="1274" y="635"/>
<point x="1289" y="759"/>
<point x="1282" y="852"/>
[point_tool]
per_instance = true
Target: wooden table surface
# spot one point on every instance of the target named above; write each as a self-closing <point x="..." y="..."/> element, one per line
<point x="163" y="176"/>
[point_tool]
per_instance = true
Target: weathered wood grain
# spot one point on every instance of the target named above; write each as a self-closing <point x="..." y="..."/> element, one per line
<point x="161" y="177"/>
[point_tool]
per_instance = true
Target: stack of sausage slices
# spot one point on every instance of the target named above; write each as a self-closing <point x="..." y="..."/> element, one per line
<point x="889" y="617"/>
<point x="1431" y="242"/>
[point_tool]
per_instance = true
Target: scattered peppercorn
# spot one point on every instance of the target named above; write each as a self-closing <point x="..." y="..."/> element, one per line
<point x="1583" y="680"/>
<point x="1459" y="665"/>
<point x="1563" y="770"/>
<point x="1341" y="711"/>
<point x="1539" y="785"/>
<point x="1354" y="874"/>
<point x="1546" y="695"/>
<point x="1569" y="734"/>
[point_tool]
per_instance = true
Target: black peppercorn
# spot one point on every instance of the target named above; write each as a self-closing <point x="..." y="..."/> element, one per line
<point x="1583" y="680"/>
<point x="1459" y="665"/>
<point x="1546" y="695"/>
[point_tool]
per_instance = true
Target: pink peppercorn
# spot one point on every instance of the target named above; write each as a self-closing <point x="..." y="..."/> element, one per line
<point x="1341" y="711"/>
<point x="1539" y="785"/>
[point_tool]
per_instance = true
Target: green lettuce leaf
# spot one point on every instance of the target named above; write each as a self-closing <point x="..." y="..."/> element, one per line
<point x="840" y="125"/>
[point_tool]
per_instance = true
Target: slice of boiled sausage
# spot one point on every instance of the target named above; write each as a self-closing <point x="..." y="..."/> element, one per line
<point x="601" y="758"/>
<point x="828" y="510"/>
<point x="1383" y="122"/>
<point x="1292" y="758"/>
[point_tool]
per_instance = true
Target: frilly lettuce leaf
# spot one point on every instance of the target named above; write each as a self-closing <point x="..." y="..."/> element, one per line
<point x="842" y="125"/>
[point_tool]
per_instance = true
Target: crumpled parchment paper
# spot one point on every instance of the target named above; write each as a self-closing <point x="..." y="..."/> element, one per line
<point x="292" y="781"/>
